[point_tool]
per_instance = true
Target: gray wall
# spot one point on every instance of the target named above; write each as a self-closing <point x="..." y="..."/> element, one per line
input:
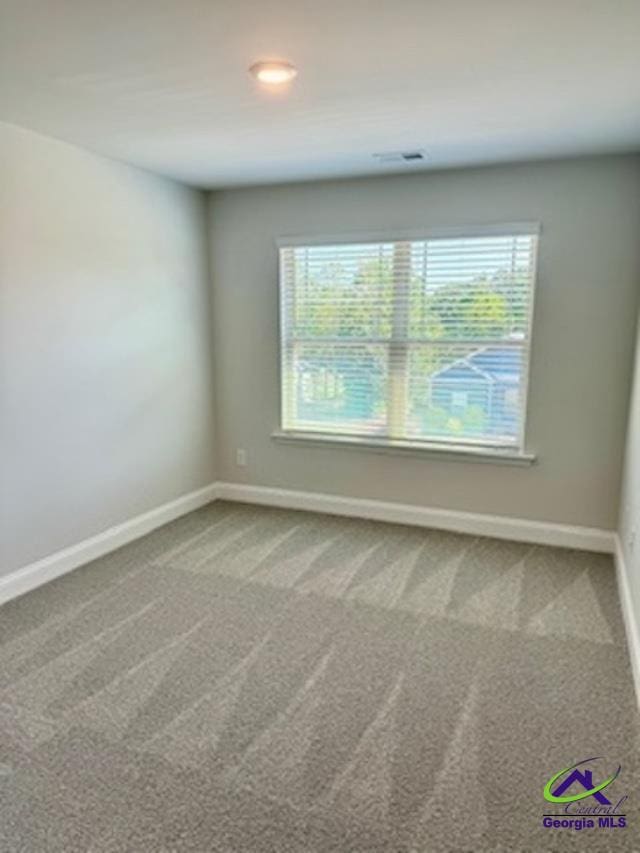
<point x="630" y="504"/>
<point x="105" y="345"/>
<point x="582" y="345"/>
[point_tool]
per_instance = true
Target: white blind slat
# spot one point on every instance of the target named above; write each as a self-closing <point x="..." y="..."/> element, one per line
<point x="426" y="340"/>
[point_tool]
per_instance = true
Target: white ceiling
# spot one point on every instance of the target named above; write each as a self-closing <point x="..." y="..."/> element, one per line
<point x="163" y="83"/>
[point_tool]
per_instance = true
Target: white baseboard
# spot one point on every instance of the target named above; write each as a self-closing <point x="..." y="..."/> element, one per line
<point x="628" y="614"/>
<point x="500" y="526"/>
<point x="503" y="527"/>
<point x="33" y="575"/>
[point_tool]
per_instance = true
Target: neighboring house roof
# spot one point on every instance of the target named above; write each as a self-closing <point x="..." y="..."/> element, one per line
<point x="490" y="364"/>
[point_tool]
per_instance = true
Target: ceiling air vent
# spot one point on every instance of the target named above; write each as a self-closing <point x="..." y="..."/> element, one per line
<point x="401" y="156"/>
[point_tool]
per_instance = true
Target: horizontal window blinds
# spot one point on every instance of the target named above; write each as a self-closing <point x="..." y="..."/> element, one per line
<point x="421" y="340"/>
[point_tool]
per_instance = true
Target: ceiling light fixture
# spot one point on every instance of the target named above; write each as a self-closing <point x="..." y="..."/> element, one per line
<point x="273" y="73"/>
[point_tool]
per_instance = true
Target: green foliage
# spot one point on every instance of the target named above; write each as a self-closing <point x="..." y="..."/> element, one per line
<point x="340" y="305"/>
<point x="438" y="421"/>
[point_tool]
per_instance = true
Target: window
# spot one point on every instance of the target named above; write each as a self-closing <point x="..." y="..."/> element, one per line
<point x="319" y="385"/>
<point x="420" y="341"/>
<point x="459" y="400"/>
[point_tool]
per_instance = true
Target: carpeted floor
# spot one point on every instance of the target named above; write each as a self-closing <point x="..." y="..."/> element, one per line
<point x="251" y="679"/>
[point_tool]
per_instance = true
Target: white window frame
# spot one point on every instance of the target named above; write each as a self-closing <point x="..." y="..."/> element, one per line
<point x="481" y="451"/>
<point x="456" y="396"/>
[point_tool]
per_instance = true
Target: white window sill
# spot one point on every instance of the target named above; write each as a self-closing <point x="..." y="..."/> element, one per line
<point x="459" y="453"/>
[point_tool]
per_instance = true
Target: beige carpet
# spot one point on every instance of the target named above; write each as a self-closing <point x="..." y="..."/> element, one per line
<point x="248" y="679"/>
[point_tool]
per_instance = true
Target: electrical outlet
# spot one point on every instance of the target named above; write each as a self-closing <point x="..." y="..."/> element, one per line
<point x="241" y="457"/>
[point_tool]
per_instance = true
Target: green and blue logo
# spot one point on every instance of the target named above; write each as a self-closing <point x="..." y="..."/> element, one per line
<point x="573" y="785"/>
<point x="584" y="778"/>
